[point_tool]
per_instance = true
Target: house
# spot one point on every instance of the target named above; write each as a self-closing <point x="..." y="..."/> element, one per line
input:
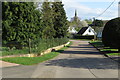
<point x="72" y="30"/>
<point x="87" y="31"/>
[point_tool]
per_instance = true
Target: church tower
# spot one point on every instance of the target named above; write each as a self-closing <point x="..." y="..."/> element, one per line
<point x="75" y="13"/>
<point x="75" y="18"/>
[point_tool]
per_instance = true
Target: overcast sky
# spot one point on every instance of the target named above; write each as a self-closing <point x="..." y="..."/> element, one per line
<point x="87" y="9"/>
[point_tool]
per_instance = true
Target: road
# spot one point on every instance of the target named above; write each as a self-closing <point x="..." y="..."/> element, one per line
<point x="80" y="60"/>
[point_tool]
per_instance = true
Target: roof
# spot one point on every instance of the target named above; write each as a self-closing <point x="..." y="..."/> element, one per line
<point x="82" y="30"/>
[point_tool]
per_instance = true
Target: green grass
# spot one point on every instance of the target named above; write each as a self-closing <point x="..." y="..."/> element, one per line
<point x="31" y="60"/>
<point x="34" y="60"/>
<point x="113" y="54"/>
<point x="82" y="39"/>
<point x="99" y="44"/>
<point x="109" y="50"/>
<point x="15" y="52"/>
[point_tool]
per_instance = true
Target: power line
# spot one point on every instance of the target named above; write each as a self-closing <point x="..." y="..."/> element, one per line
<point x="106" y="9"/>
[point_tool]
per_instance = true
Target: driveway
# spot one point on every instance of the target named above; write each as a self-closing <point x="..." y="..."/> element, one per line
<point x="80" y="60"/>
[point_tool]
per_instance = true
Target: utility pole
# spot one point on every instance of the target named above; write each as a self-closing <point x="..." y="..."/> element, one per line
<point x="119" y="9"/>
<point x="95" y="34"/>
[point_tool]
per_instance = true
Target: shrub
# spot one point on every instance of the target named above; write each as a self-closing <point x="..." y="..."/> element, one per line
<point x="37" y="46"/>
<point x="43" y="44"/>
<point x="111" y="33"/>
<point x="83" y="37"/>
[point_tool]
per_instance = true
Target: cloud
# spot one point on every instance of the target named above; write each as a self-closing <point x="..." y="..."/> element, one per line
<point x="88" y="0"/>
<point x="87" y="11"/>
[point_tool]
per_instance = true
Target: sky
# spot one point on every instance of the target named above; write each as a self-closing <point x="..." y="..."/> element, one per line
<point x="87" y="9"/>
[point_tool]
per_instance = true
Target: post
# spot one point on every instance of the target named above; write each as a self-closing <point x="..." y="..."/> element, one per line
<point x="29" y="45"/>
<point x="95" y="37"/>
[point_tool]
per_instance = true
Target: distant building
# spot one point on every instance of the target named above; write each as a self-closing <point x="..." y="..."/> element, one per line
<point x="87" y="31"/>
<point x="99" y="33"/>
<point x="75" y="18"/>
<point x="72" y="30"/>
<point x="73" y="25"/>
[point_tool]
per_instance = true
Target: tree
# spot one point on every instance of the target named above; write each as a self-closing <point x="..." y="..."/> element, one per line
<point x="89" y="21"/>
<point x="60" y="20"/>
<point x="21" y="21"/>
<point x="98" y="23"/>
<point x="47" y="19"/>
<point x="111" y="33"/>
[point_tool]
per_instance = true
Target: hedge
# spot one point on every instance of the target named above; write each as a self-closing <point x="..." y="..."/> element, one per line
<point x="83" y="37"/>
<point x="37" y="46"/>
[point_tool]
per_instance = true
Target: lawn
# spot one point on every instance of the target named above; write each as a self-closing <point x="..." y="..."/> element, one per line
<point x="35" y="60"/>
<point x="6" y="52"/>
<point x="107" y="50"/>
<point x="113" y="54"/>
<point x="82" y="39"/>
<point x="31" y="60"/>
<point x="97" y="43"/>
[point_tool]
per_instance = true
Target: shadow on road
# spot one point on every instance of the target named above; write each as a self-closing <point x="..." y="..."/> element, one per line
<point x="91" y="63"/>
<point x="80" y="52"/>
<point x="80" y="47"/>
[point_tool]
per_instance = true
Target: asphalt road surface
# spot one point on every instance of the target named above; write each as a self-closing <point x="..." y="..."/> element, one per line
<point x="80" y="60"/>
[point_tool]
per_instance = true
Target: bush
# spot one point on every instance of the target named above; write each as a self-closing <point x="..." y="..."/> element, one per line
<point x="111" y="33"/>
<point x="37" y="46"/>
<point x="43" y="44"/>
<point x="83" y="37"/>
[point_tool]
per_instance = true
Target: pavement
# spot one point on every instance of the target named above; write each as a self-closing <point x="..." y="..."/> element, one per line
<point x="80" y="60"/>
<point x="4" y="64"/>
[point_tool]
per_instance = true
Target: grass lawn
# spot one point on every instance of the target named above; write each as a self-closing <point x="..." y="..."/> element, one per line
<point x="34" y="60"/>
<point x="31" y="60"/>
<point x="15" y="52"/>
<point x="82" y="39"/>
<point x="97" y="43"/>
<point x="113" y="54"/>
<point x="108" y="51"/>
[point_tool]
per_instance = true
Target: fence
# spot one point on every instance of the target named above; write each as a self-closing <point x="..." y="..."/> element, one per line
<point x="31" y="46"/>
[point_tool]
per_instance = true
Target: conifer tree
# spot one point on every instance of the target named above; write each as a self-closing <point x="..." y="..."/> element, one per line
<point x="21" y="21"/>
<point x="47" y="19"/>
<point x="60" y="20"/>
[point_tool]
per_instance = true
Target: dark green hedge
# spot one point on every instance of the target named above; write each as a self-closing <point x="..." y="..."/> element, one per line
<point x="82" y="37"/>
<point x="43" y="44"/>
<point x="37" y="46"/>
<point x="111" y="33"/>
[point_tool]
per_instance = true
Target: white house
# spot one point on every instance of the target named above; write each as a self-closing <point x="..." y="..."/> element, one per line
<point x="72" y="30"/>
<point x="87" y="31"/>
<point x="99" y="33"/>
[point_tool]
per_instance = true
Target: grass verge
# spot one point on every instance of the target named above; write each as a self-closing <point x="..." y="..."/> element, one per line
<point x="34" y="60"/>
<point x="107" y="50"/>
<point x="82" y="39"/>
<point x="113" y="54"/>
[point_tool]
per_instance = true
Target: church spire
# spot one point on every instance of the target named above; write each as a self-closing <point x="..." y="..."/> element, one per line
<point x="75" y="13"/>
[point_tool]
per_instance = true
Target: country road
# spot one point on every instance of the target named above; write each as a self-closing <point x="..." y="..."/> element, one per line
<point x="80" y="60"/>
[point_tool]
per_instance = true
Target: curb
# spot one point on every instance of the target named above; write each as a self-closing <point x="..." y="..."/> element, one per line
<point x="103" y="53"/>
<point x="39" y="54"/>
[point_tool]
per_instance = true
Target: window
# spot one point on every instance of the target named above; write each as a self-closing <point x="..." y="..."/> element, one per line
<point x="89" y="30"/>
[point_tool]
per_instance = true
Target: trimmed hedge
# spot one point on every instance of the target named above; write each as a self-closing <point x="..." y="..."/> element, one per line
<point x="111" y="33"/>
<point x="43" y="44"/>
<point x="37" y="46"/>
<point x="83" y="37"/>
